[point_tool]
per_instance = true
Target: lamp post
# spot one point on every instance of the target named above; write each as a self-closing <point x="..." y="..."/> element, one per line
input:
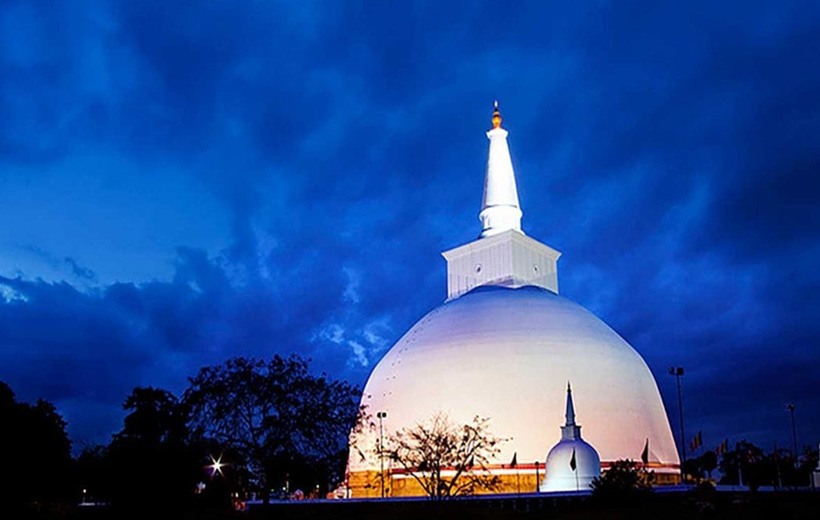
<point x="678" y="373"/>
<point x="537" y="487"/>
<point x="790" y="408"/>
<point x="381" y="416"/>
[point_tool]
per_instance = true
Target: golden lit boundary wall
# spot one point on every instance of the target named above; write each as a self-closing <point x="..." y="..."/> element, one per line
<point x="521" y="479"/>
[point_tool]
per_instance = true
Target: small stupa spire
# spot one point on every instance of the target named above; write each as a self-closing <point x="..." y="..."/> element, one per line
<point x="570" y="407"/>
<point x="572" y="464"/>
<point x="499" y="209"/>
<point x="570" y="431"/>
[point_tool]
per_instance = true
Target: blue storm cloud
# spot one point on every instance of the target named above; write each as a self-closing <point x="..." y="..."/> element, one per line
<point x="181" y="183"/>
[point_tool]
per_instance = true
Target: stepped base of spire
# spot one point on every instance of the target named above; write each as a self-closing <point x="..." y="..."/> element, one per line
<point x="509" y="258"/>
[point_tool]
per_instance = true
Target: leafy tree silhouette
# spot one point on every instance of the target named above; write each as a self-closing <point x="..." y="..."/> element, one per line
<point x="288" y="426"/>
<point x="154" y="459"/>
<point x="623" y="481"/>
<point x="36" y="454"/>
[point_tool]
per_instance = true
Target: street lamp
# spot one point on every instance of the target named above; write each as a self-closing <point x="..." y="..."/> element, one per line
<point x="790" y="408"/>
<point x="678" y="373"/>
<point x="381" y="416"/>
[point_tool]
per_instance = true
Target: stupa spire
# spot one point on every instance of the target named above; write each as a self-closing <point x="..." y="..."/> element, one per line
<point x="570" y="407"/>
<point x="499" y="209"/>
<point x="503" y="255"/>
<point x="570" y="431"/>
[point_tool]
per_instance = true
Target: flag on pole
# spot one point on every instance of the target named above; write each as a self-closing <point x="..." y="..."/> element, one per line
<point x="722" y="448"/>
<point x="645" y="454"/>
<point x="572" y="463"/>
<point x="514" y="462"/>
<point x="696" y="442"/>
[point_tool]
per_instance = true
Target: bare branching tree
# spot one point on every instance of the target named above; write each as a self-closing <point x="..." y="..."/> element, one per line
<point x="447" y="459"/>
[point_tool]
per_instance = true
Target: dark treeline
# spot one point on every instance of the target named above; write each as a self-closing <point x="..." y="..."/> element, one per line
<point x="36" y="452"/>
<point x="751" y="466"/>
<point x="244" y="428"/>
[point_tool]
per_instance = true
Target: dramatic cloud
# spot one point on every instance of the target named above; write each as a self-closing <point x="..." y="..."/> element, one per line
<point x="184" y="183"/>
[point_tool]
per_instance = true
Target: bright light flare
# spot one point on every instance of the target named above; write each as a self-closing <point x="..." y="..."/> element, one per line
<point x="216" y="466"/>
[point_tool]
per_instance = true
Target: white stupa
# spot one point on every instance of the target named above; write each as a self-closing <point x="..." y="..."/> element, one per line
<point x="498" y="346"/>
<point x="573" y="463"/>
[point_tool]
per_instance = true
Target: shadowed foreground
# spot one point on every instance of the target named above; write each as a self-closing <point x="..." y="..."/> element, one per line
<point x="693" y="505"/>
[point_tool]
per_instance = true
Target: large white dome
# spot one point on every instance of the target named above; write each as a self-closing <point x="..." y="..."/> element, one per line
<point x="507" y="354"/>
<point x="502" y="347"/>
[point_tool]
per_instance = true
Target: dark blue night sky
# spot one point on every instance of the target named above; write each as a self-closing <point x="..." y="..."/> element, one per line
<point x="182" y="182"/>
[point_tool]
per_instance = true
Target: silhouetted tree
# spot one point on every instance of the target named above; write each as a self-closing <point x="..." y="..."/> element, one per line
<point x="154" y="460"/>
<point x="622" y="481"/>
<point x="93" y="473"/>
<point x="784" y="470"/>
<point x="806" y="465"/>
<point x="36" y="453"/>
<point x="745" y="463"/>
<point x="693" y="469"/>
<point x="446" y="459"/>
<point x="708" y="462"/>
<point x="702" y="466"/>
<point x="286" y="424"/>
<point x="223" y="487"/>
<point x="155" y="417"/>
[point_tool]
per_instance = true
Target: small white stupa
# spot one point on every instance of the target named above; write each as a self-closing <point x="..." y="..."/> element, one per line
<point x="572" y="463"/>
